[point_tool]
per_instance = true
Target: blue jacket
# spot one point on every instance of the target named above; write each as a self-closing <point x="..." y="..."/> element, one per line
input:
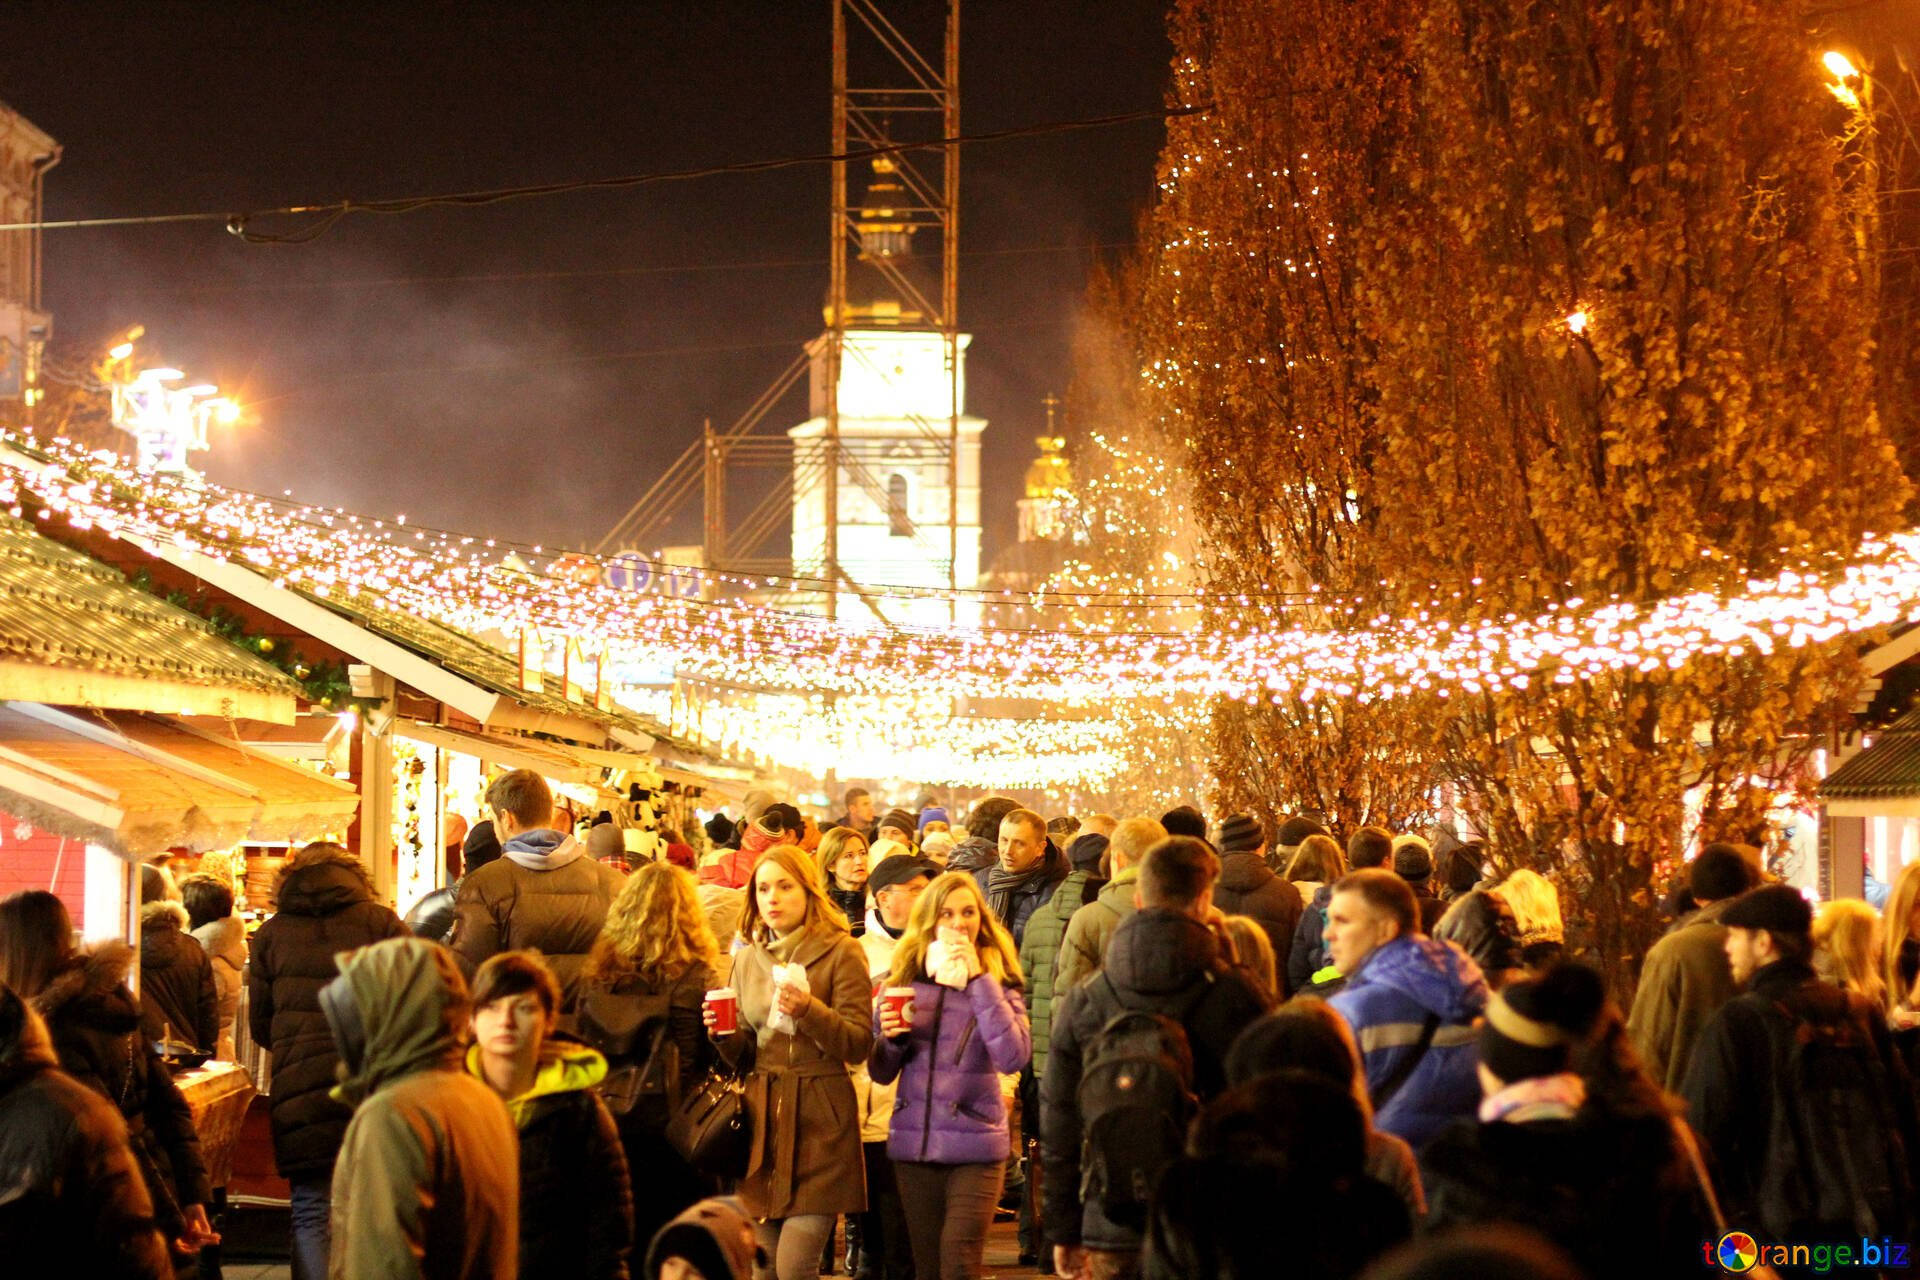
<point x="1386" y="1001"/>
<point x="948" y="1109"/>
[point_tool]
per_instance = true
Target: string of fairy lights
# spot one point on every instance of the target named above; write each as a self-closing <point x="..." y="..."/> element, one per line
<point x="1248" y="653"/>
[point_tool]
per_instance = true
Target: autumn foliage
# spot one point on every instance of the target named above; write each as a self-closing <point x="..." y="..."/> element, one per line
<point x="1483" y="307"/>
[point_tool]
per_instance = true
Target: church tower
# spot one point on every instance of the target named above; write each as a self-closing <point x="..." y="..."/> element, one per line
<point x="897" y="488"/>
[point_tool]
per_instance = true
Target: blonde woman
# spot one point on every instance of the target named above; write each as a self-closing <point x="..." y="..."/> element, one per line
<point x="842" y="857"/>
<point x="655" y="958"/>
<point x="968" y="1027"/>
<point x="795" y="1040"/>
<point x="1847" y="950"/>
<point x="1900" y="969"/>
<point x="1254" y="949"/>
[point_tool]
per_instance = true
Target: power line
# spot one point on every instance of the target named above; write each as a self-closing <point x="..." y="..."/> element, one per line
<point x="509" y="277"/>
<point x="325" y="216"/>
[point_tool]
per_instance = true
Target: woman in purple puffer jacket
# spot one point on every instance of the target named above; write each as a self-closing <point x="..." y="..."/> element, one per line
<point x="966" y="1028"/>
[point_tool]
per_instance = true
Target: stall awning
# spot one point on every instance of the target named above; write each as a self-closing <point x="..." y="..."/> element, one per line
<point x="563" y="762"/>
<point x="143" y="784"/>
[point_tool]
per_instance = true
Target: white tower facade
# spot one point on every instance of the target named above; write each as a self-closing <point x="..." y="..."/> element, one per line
<point x="896" y="488"/>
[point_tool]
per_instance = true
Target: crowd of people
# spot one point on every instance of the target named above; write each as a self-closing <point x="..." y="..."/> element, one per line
<point x="1169" y="1047"/>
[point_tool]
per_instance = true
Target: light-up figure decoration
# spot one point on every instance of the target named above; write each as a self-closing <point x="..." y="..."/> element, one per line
<point x="168" y="424"/>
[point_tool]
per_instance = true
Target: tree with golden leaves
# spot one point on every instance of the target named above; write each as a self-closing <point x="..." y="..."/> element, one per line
<point x="1260" y="372"/>
<point x="1624" y="351"/>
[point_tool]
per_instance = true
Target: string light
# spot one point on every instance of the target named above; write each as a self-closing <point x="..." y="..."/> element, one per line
<point x="1249" y="653"/>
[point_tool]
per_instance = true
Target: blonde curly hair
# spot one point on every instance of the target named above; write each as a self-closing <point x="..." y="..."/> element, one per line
<point x="655" y="929"/>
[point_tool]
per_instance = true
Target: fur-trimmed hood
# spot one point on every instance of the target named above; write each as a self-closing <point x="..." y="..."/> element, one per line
<point x="163" y="914"/>
<point x="319" y="882"/>
<point x="97" y="975"/>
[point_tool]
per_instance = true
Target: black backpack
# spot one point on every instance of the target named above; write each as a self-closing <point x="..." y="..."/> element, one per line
<point x="1836" y="1159"/>
<point x="1136" y="1099"/>
<point x="643" y="1077"/>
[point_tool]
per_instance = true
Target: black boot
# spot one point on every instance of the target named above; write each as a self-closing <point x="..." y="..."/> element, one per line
<point x="856" y="1252"/>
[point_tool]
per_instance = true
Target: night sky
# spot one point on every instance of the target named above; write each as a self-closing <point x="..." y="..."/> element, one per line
<point x="523" y="370"/>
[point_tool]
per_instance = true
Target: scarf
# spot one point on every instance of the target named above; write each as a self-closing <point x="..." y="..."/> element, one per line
<point x="1004" y="886"/>
<point x="803" y="945"/>
<point x="1554" y="1097"/>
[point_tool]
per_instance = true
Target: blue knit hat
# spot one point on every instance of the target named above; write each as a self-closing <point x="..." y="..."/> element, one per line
<point x="931" y="814"/>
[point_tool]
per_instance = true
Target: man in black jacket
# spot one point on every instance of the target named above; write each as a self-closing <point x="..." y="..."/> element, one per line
<point x="1796" y="1089"/>
<point x="1164" y="959"/>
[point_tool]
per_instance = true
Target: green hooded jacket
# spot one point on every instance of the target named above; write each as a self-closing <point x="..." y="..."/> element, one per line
<point x="428" y="1182"/>
<point x="1040" y="958"/>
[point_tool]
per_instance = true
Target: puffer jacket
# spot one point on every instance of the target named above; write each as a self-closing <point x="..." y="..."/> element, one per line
<point x="326" y="906"/>
<point x="428" y="1182"/>
<point x="1040" y="957"/>
<point x="542" y="892"/>
<point x="72" y="1201"/>
<point x="949" y="1108"/>
<point x="177" y="988"/>
<point x="225" y="942"/>
<point x="1387" y="1001"/>
<point x="95" y="1024"/>
<point x="1053" y="867"/>
<point x="576" y="1200"/>
<point x="1481" y="924"/>
<point x="973" y="854"/>
<point x="432" y="917"/>
<point x="1089" y="930"/>
<point x="1159" y="961"/>
<point x="1248" y="887"/>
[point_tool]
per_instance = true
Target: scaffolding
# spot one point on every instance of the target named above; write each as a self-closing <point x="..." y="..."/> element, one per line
<point x="888" y="98"/>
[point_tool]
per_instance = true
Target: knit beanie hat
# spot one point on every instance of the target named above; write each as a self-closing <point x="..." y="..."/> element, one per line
<point x="719" y="828"/>
<point x="931" y="814"/>
<point x="1241" y="833"/>
<point x="1296" y="829"/>
<point x="480" y="847"/>
<point x="900" y="820"/>
<point x="1519" y="1040"/>
<point x="1532" y="1025"/>
<point x="1086" y="851"/>
<point x="1412" y="859"/>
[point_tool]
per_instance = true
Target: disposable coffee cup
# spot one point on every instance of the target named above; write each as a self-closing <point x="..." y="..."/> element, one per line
<point x="725" y="1004"/>
<point x="898" y="1000"/>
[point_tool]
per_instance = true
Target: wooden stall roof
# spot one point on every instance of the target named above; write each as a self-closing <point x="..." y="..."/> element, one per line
<point x="75" y="631"/>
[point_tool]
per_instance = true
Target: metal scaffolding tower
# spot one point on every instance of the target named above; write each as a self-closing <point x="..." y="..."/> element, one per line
<point x="890" y="98"/>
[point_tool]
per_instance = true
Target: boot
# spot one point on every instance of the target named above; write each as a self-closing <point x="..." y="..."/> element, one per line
<point x="856" y="1252"/>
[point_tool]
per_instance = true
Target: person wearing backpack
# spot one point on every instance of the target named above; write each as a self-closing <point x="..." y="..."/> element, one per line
<point x="1136" y="1050"/>
<point x="1796" y="1090"/>
<point x="640" y="997"/>
<point x="967" y="1027"/>
<point x="576" y="1202"/>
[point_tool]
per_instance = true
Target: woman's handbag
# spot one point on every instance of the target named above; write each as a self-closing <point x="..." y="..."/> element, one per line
<point x="712" y="1128"/>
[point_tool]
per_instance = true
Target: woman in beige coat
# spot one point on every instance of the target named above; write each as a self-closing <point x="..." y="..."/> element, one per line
<point x="807" y="1165"/>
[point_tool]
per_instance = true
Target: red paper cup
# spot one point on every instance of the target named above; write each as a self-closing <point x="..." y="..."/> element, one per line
<point x="725" y="1004"/>
<point x="900" y="1001"/>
